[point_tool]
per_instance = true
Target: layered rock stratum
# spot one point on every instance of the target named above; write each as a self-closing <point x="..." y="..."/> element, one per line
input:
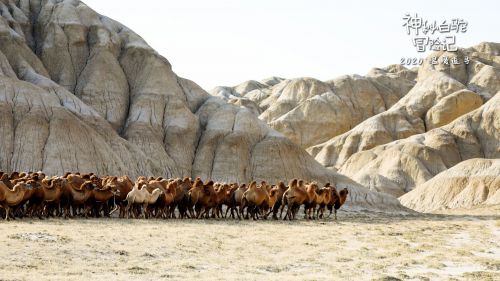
<point x="309" y="111"/>
<point x="395" y="128"/>
<point x="399" y="166"/>
<point x="81" y="92"/>
<point x="471" y="183"/>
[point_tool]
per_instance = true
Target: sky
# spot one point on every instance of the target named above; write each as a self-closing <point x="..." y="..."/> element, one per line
<point x="226" y="42"/>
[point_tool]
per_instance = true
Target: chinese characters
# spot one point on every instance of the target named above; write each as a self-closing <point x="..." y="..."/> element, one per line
<point x="424" y="33"/>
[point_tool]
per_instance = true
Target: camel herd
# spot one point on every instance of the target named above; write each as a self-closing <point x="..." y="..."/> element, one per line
<point x="87" y="195"/>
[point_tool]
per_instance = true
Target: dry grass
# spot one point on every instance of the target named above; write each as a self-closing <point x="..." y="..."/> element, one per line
<point x="360" y="246"/>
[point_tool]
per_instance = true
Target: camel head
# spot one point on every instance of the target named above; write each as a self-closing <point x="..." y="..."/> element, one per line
<point x="14" y="175"/>
<point x="281" y="185"/>
<point x="172" y="187"/>
<point x="343" y="195"/>
<point x="41" y="174"/>
<point x="48" y="182"/>
<point x="301" y="183"/>
<point x="197" y="183"/>
<point x="253" y="184"/>
<point x="87" y="185"/>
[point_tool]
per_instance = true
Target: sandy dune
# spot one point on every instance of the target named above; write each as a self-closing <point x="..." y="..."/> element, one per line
<point x="360" y="246"/>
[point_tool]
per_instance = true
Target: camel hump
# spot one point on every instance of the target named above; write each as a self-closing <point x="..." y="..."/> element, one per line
<point x="49" y="183"/>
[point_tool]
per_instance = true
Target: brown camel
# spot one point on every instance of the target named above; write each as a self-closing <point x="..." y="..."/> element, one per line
<point x="79" y="197"/>
<point x="202" y="198"/>
<point x="236" y="199"/>
<point x="342" y="198"/>
<point x="12" y="197"/>
<point x="121" y="186"/>
<point x="52" y="192"/>
<point x="181" y="200"/>
<point x="293" y="198"/>
<point x="281" y="188"/>
<point x="324" y="198"/>
<point x="255" y="199"/>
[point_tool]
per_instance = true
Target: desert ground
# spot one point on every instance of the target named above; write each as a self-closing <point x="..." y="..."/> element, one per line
<point x="458" y="245"/>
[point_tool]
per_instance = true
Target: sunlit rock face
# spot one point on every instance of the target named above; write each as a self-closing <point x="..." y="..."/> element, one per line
<point x="81" y="92"/>
<point x="471" y="183"/>
<point x="394" y="128"/>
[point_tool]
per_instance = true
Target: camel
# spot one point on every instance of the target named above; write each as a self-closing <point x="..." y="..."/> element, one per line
<point x="12" y="197"/>
<point x="121" y="186"/>
<point x="255" y="199"/>
<point x="181" y="199"/>
<point x="311" y="200"/>
<point x="99" y="200"/>
<point x="334" y="197"/>
<point x="141" y="197"/>
<point x="280" y="190"/>
<point x="135" y="196"/>
<point x="202" y="198"/>
<point x="324" y="198"/>
<point x="160" y="197"/>
<point x="274" y="197"/>
<point x="236" y="198"/>
<point x="223" y="197"/>
<point x="52" y="192"/>
<point x="163" y="203"/>
<point x="5" y="179"/>
<point x="19" y="209"/>
<point x="170" y="194"/>
<point x="151" y="199"/>
<point x="342" y="198"/>
<point x="293" y="198"/>
<point x="79" y="197"/>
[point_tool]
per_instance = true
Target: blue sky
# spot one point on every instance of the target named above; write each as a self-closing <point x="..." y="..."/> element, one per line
<point x="226" y="42"/>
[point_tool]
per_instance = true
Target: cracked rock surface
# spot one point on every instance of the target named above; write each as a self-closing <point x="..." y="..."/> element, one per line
<point x="81" y="92"/>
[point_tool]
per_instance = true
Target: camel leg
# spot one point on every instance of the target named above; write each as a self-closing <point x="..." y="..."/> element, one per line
<point x="335" y="214"/>
<point x="282" y="207"/>
<point x="232" y="212"/>
<point x="275" y="210"/>
<point x="7" y="209"/>
<point x="145" y="207"/>
<point x="288" y="215"/>
<point x="295" y="210"/>
<point x="241" y="210"/>
<point x="122" y="210"/>
<point x="127" y="211"/>
<point x="201" y="213"/>
<point x="159" y="213"/>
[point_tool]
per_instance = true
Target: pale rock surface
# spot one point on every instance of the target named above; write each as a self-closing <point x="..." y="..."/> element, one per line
<point x="81" y="92"/>
<point x="452" y="107"/>
<point x="468" y="184"/>
<point x="399" y="166"/>
<point x="441" y="94"/>
<point x="309" y="111"/>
